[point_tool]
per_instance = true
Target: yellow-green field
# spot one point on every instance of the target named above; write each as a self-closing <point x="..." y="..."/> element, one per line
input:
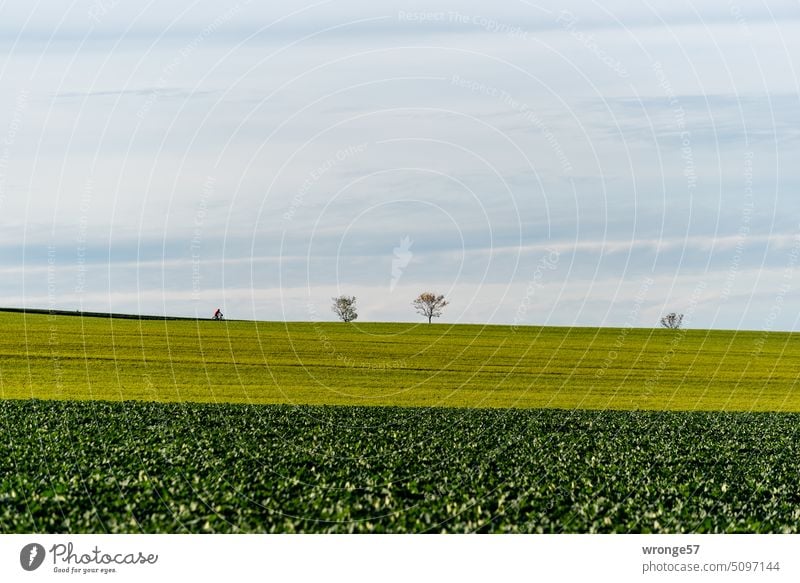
<point x="526" y="454"/>
<point x="67" y="357"/>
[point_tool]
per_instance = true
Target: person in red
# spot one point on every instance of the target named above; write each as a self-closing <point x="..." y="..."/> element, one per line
<point x="218" y="314"/>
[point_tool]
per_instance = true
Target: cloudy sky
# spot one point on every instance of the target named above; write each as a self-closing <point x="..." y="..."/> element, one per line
<point x="563" y="163"/>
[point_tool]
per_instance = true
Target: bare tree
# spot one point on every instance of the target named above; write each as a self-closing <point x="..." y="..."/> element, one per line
<point x="430" y="305"/>
<point x="345" y="308"/>
<point x="672" y="321"/>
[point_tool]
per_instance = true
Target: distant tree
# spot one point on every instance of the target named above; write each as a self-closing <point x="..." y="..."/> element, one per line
<point x="345" y="308"/>
<point x="430" y="305"/>
<point x="672" y="321"/>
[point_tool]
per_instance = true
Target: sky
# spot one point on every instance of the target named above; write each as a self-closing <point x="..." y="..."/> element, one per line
<point x="559" y="163"/>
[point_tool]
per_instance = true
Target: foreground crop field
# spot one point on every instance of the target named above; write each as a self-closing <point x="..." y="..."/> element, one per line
<point x="150" y="467"/>
<point x="68" y="357"/>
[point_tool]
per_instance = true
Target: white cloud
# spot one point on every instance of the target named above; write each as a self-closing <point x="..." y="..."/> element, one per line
<point x="552" y="149"/>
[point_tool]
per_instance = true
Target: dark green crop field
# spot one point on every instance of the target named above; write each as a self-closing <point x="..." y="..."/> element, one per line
<point x="125" y="425"/>
<point x="67" y="357"/>
<point x="152" y="467"/>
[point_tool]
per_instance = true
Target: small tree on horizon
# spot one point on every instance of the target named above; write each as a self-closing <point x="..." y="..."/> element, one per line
<point x="345" y="308"/>
<point x="430" y="305"/>
<point x="672" y="321"/>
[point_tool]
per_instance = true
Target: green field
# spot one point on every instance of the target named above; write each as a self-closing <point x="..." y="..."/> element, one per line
<point x="153" y="467"/>
<point x="467" y="428"/>
<point x="66" y="357"/>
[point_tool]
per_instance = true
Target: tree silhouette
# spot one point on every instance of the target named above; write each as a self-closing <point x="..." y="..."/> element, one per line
<point x="672" y="321"/>
<point x="430" y="305"/>
<point x="345" y="308"/>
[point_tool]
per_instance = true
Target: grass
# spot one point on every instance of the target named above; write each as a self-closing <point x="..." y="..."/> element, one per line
<point x="74" y="358"/>
<point x="469" y="428"/>
<point x="72" y="467"/>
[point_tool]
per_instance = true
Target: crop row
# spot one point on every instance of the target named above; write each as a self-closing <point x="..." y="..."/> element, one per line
<point x="150" y="467"/>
